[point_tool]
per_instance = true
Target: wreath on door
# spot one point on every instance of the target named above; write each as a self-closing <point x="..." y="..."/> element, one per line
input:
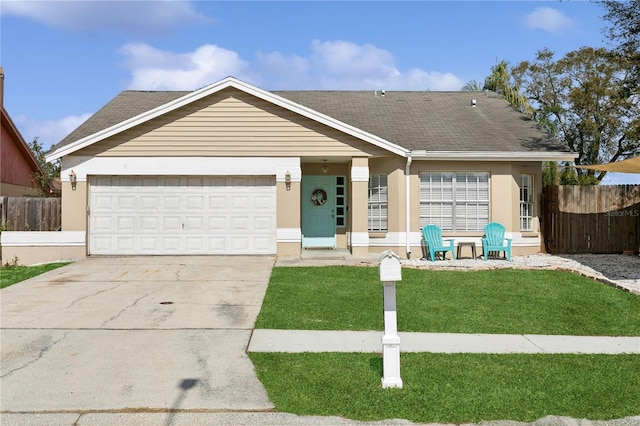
<point x="319" y="197"/>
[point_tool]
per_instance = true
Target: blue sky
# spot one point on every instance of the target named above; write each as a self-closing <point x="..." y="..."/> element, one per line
<point x="63" y="60"/>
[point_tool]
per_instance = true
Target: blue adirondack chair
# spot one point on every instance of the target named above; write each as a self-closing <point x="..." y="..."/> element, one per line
<point x="494" y="240"/>
<point x="432" y="236"/>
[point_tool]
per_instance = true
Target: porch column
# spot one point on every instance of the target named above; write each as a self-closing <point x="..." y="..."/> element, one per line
<point x="358" y="206"/>
<point x="288" y="234"/>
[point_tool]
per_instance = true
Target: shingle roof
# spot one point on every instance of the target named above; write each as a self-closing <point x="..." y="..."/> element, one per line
<point x="126" y="105"/>
<point x="431" y="121"/>
<point x="434" y="121"/>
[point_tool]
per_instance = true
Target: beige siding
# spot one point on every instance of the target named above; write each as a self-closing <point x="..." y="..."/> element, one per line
<point x="504" y="201"/>
<point x="74" y="207"/>
<point x="231" y="123"/>
<point x="393" y="167"/>
<point x="32" y="255"/>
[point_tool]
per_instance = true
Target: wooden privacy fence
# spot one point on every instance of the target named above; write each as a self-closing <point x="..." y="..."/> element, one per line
<point x="591" y="219"/>
<point x="30" y="213"/>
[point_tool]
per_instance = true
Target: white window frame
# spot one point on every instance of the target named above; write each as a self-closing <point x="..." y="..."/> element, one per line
<point x="378" y="204"/>
<point x="341" y="207"/>
<point x="527" y="202"/>
<point x="455" y="201"/>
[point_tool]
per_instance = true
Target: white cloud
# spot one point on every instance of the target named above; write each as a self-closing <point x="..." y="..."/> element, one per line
<point x="352" y="61"/>
<point x="154" y="69"/>
<point x="48" y="132"/>
<point x="130" y="17"/>
<point x="330" y="65"/>
<point x="548" y="19"/>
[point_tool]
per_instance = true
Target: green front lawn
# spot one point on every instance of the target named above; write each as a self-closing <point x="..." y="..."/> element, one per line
<point x="13" y="274"/>
<point x="453" y="388"/>
<point x="505" y="301"/>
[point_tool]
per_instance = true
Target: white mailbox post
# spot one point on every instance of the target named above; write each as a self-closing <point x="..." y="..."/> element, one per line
<point x="390" y="272"/>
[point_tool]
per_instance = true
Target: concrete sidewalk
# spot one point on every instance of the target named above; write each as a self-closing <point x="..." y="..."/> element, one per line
<point x="263" y="340"/>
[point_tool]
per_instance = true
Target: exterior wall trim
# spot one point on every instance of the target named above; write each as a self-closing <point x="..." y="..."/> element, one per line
<point x="399" y="239"/>
<point x="198" y="166"/>
<point x="359" y="239"/>
<point x="359" y="174"/>
<point x="42" y="238"/>
<point x="289" y="235"/>
<point x="492" y="156"/>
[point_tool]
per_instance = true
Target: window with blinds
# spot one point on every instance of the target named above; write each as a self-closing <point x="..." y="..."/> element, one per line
<point x="526" y="202"/>
<point x="454" y="201"/>
<point x="378" y="207"/>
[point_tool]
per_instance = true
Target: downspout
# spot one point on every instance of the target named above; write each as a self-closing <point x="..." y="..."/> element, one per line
<point x="407" y="177"/>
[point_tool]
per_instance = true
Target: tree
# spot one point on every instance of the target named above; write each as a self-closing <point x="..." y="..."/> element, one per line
<point x="471" y="86"/>
<point x="50" y="171"/>
<point x="582" y="100"/>
<point x="500" y="81"/>
<point x="624" y="29"/>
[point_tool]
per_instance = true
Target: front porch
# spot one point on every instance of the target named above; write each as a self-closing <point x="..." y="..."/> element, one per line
<point x="328" y="257"/>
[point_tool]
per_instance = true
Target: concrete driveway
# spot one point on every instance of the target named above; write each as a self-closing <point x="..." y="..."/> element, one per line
<point x="132" y="333"/>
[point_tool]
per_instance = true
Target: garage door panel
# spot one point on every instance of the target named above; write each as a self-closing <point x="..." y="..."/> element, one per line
<point x="148" y="223"/>
<point x="103" y="224"/>
<point x="171" y="223"/>
<point x="149" y="202"/>
<point x="218" y="203"/>
<point x="262" y="244"/>
<point x="149" y="244"/>
<point x="194" y="223"/>
<point x="263" y="223"/>
<point x="195" y="202"/>
<point x="182" y="215"/>
<point x="125" y="244"/>
<point x="171" y="244"/>
<point x="217" y="223"/>
<point x="241" y="202"/>
<point x="239" y="223"/>
<point x="170" y="202"/>
<point x="217" y="244"/>
<point x="103" y="202"/>
<point x="195" y="244"/>
<point x="125" y="202"/>
<point x="102" y="243"/>
<point x="239" y="243"/>
<point x="126" y="223"/>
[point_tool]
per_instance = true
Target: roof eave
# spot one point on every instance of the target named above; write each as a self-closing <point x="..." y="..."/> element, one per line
<point x="23" y="146"/>
<point x="492" y="156"/>
<point x="211" y="89"/>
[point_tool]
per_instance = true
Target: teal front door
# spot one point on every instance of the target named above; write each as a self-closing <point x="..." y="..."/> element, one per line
<point x="318" y="202"/>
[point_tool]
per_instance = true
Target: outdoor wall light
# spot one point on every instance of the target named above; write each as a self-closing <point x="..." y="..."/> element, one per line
<point x="73" y="179"/>
<point x="287" y="180"/>
<point x="325" y="168"/>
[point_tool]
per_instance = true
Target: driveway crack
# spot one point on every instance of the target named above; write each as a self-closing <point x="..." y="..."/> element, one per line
<point x="135" y="302"/>
<point x="39" y="355"/>
<point x="94" y="294"/>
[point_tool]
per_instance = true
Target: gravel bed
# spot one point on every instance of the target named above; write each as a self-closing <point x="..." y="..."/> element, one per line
<point x="620" y="270"/>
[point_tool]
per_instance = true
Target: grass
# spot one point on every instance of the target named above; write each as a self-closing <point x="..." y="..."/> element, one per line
<point x="453" y="388"/>
<point x="506" y="301"/>
<point x="12" y="274"/>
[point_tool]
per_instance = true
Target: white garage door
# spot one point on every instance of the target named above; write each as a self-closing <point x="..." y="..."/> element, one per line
<point x="182" y="215"/>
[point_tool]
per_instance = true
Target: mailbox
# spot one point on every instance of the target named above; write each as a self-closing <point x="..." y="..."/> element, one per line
<point x="390" y="269"/>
